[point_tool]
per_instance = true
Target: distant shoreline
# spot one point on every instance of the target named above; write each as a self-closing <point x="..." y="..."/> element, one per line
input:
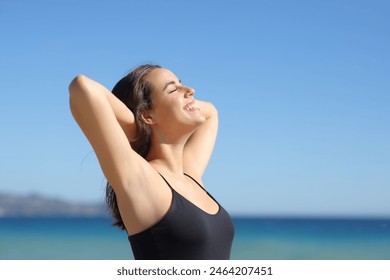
<point x="40" y="206"/>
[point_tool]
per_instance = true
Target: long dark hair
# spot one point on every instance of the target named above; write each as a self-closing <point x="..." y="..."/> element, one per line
<point x="135" y="92"/>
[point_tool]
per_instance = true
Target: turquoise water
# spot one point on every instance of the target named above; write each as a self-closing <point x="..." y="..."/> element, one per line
<point x="256" y="238"/>
<point x="312" y="239"/>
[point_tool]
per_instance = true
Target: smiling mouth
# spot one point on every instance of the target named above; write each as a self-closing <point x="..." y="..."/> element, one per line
<point x="191" y="107"/>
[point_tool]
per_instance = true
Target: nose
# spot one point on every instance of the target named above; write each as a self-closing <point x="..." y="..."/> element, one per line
<point x="189" y="91"/>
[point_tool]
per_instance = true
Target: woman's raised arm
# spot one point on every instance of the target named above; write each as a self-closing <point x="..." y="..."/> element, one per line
<point x="200" y="145"/>
<point x="107" y="123"/>
<point x="82" y="85"/>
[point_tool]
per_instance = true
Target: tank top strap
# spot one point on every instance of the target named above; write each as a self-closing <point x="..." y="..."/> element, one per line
<point x="195" y="181"/>
<point x="169" y="185"/>
<point x="166" y="182"/>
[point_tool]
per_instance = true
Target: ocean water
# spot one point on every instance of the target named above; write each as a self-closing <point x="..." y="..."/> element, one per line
<point x="256" y="238"/>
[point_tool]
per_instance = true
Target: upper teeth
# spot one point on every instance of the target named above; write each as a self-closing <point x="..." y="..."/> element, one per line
<point x="190" y="107"/>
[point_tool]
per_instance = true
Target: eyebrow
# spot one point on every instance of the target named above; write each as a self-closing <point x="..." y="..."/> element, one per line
<point x="170" y="83"/>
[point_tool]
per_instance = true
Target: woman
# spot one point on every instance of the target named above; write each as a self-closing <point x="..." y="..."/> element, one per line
<point x="153" y="141"/>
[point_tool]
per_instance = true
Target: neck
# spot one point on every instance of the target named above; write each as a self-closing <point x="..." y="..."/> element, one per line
<point x="167" y="156"/>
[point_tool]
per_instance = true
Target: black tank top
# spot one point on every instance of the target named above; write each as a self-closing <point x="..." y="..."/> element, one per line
<point x="186" y="232"/>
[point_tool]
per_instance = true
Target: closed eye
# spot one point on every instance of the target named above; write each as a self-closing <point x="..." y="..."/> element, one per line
<point x="173" y="83"/>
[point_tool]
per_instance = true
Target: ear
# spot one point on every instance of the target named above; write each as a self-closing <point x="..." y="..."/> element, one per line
<point x="147" y="117"/>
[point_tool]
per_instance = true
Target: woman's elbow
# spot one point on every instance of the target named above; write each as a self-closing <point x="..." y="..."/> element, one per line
<point x="77" y="84"/>
<point x="211" y="110"/>
<point x="79" y="94"/>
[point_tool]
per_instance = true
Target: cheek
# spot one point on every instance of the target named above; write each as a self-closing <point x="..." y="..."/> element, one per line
<point x="170" y="103"/>
<point x="163" y="112"/>
<point x="168" y="107"/>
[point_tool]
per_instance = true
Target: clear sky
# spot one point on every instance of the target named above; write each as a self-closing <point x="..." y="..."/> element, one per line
<point x="302" y="88"/>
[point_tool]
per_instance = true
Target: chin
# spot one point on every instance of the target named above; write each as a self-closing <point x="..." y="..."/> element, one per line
<point x="192" y="125"/>
<point x="199" y="120"/>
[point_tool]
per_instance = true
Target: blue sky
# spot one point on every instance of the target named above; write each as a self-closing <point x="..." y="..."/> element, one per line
<point x="302" y="89"/>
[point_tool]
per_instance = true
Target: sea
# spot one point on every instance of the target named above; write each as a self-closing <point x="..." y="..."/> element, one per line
<point x="256" y="238"/>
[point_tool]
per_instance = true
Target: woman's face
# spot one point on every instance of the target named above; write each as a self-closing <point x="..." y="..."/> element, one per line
<point x="174" y="105"/>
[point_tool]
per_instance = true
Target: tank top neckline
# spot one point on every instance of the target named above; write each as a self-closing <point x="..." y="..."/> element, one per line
<point x="191" y="203"/>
